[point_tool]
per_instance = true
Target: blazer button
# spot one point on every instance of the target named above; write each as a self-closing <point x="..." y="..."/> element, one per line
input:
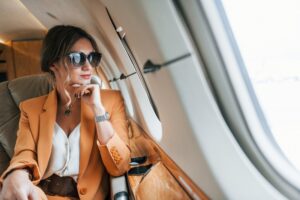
<point x="83" y="191"/>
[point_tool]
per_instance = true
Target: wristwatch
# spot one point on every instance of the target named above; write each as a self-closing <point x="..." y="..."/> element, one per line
<point x="102" y="118"/>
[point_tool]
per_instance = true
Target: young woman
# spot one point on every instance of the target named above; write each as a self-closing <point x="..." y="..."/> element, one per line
<point x="71" y="139"/>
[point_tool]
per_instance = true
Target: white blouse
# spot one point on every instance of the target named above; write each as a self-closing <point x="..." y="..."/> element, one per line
<point x="64" y="159"/>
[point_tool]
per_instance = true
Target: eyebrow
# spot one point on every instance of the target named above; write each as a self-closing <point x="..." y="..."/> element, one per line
<point x="82" y="52"/>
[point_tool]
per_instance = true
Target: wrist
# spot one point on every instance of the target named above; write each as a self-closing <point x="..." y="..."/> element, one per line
<point x="28" y="171"/>
<point x="99" y="110"/>
<point x="102" y="118"/>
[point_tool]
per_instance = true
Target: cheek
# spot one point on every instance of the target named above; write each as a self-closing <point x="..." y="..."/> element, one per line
<point x="74" y="74"/>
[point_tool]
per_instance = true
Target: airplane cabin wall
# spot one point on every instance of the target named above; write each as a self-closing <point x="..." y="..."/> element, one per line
<point x="195" y="135"/>
<point x="92" y="16"/>
<point x="178" y="139"/>
<point x="191" y="129"/>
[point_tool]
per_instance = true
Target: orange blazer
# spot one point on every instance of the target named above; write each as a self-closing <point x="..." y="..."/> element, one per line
<point x="34" y="143"/>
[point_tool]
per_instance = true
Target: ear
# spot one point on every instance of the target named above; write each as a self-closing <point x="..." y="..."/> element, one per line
<point x="50" y="70"/>
<point x="61" y="63"/>
<point x="57" y="63"/>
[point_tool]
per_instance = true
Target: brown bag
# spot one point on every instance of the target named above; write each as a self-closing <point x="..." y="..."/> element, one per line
<point x="158" y="183"/>
<point x="61" y="186"/>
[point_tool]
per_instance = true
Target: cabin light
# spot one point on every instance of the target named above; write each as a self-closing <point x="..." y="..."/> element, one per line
<point x="121" y="32"/>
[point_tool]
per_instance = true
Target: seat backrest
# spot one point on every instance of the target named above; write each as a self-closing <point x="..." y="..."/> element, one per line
<point x="11" y="94"/>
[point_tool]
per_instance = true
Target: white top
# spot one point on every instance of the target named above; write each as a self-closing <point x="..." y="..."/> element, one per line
<point x="64" y="159"/>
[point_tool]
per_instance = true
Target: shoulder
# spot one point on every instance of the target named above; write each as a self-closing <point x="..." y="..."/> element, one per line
<point x="111" y="98"/>
<point x="111" y="94"/>
<point x="35" y="103"/>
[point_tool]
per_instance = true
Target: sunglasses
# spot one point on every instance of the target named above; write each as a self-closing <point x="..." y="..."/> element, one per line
<point x="78" y="59"/>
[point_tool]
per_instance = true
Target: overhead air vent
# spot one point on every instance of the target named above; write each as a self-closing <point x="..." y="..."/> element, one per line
<point x="51" y="15"/>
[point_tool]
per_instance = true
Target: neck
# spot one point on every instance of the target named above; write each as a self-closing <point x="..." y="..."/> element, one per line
<point x="66" y="98"/>
<point x="64" y="95"/>
<point x="69" y="108"/>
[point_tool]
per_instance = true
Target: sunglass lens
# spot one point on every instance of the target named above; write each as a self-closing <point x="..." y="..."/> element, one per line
<point x="77" y="59"/>
<point x="94" y="58"/>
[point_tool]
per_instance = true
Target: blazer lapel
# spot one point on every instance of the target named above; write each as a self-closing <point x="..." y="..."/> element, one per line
<point x="46" y="129"/>
<point x="87" y="137"/>
<point x="47" y="120"/>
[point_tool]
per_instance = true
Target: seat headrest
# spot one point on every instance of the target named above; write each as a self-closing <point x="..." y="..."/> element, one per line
<point x="29" y="87"/>
<point x="12" y="93"/>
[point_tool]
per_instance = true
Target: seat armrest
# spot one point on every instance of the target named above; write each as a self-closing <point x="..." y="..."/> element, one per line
<point x="119" y="188"/>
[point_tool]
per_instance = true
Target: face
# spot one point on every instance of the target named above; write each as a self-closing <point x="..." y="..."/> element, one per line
<point x="81" y="74"/>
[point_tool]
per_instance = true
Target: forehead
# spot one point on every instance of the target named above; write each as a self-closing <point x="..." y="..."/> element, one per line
<point x="83" y="45"/>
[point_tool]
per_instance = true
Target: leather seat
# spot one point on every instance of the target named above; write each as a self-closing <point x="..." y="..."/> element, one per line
<point x="11" y="94"/>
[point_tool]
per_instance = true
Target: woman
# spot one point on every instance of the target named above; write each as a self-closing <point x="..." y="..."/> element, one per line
<point x="69" y="140"/>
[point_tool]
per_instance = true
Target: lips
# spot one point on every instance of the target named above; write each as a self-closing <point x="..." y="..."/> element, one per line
<point x="86" y="76"/>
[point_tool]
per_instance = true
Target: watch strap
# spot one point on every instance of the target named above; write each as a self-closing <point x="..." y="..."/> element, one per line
<point x="101" y="118"/>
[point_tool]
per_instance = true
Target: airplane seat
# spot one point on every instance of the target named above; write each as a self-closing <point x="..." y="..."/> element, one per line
<point x="12" y="93"/>
<point x="17" y="90"/>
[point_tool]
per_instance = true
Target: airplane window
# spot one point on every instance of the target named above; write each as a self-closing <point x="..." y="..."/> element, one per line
<point x="267" y="33"/>
<point x="138" y="71"/>
<point x="150" y="116"/>
<point x="153" y="123"/>
<point x="122" y="38"/>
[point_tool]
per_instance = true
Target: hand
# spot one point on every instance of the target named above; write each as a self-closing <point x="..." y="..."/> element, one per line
<point x="18" y="186"/>
<point x="90" y="95"/>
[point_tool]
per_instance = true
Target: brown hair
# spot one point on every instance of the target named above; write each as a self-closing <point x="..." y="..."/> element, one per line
<point x="58" y="42"/>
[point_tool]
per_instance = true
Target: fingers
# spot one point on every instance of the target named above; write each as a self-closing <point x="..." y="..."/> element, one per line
<point x="33" y="195"/>
<point x="21" y="195"/>
<point x="85" y="90"/>
<point x="17" y="186"/>
<point x="76" y="85"/>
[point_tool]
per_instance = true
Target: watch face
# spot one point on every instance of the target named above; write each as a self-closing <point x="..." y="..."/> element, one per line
<point x="102" y="118"/>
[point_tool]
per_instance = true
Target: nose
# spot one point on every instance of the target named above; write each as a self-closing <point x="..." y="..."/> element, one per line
<point x="86" y="66"/>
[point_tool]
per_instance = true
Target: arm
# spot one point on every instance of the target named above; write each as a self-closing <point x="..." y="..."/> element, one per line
<point x="112" y="134"/>
<point x="114" y="148"/>
<point x="16" y="180"/>
<point x="25" y="149"/>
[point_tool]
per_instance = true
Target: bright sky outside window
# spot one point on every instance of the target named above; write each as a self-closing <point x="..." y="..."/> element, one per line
<point x="268" y="36"/>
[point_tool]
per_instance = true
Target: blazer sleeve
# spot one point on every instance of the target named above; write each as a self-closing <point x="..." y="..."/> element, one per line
<point x="25" y="150"/>
<point x="116" y="153"/>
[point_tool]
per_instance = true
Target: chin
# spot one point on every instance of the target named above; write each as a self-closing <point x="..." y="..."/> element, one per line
<point x="85" y="82"/>
<point x="82" y="81"/>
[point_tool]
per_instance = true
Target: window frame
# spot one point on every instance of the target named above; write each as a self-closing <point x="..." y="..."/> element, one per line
<point x="143" y="110"/>
<point x="135" y="65"/>
<point x="235" y="96"/>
